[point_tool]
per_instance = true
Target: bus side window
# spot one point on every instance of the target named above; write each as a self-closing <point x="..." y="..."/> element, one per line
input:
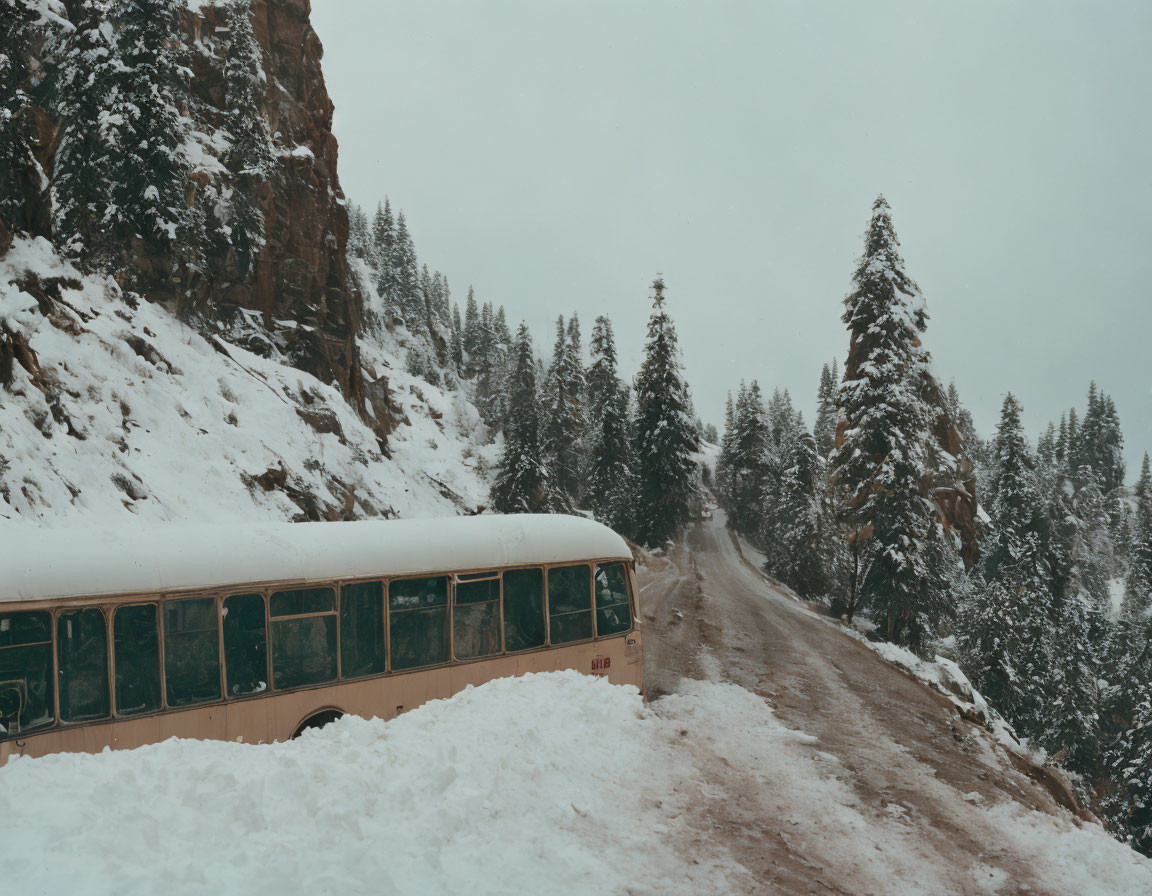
<point x="418" y="613"/>
<point x="82" y="651"/>
<point x="26" y="693"/>
<point x="245" y="645"/>
<point x="136" y="643"/>
<point x="303" y="637"/>
<point x="191" y="651"/>
<point x="362" y="636"/>
<point x="612" y="612"/>
<point x="476" y="619"/>
<point x="570" y="603"/>
<point x="523" y="609"/>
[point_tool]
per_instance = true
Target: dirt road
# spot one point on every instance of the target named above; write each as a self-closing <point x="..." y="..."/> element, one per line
<point x="920" y="789"/>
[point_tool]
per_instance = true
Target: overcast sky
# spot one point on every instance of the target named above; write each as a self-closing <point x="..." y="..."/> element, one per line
<point x="557" y="156"/>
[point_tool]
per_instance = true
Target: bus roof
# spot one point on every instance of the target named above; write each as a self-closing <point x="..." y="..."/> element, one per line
<point x="40" y="563"/>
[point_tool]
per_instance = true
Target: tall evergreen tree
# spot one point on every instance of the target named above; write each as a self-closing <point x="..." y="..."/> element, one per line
<point x="87" y="84"/>
<point x="565" y="422"/>
<point x="603" y="381"/>
<point x="747" y="462"/>
<point x="17" y="134"/>
<point x="521" y="481"/>
<point x="882" y="461"/>
<point x="611" y="476"/>
<point x="666" y="437"/>
<point x="406" y="270"/>
<point x="148" y="213"/>
<point x="824" y="430"/>
<point x="802" y="555"/>
<point x="250" y="155"/>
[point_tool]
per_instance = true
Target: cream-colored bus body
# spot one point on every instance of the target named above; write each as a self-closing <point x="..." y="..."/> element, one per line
<point x="277" y="715"/>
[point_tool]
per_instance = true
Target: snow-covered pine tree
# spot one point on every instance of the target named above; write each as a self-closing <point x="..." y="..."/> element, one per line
<point x="457" y="340"/>
<point x="148" y="216"/>
<point x="666" y="437"/>
<point x="1130" y="766"/>
<point x="86" y="85"/>
<point x="250" y="155"/>
<point x="724" y="461"/>
<point x="565" y="421"/>
<point x="470" y="335"/>
<point x="802" y="547"/>
<point x="603" y="380"/>
<point x="16" y="130"/>
<point x="824" y="430"/>
<point x="521" y="481"/>
<point x="881" y="463"/>
<point x="359" y="233"/>
<point x="409" y="296"/>
<point x="1004" y="635"/>
<point x="747" y="468"/>
<point x="384" y="255"/>
<point x="611" y="480"/>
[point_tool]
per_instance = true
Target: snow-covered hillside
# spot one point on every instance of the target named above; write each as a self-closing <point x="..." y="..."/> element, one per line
<point x="127" y="410"/>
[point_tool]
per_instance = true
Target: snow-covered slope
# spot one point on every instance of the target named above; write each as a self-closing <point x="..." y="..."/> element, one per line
<point x="127" y="410"/>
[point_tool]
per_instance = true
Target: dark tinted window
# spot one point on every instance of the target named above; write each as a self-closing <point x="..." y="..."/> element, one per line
<point x="26" y="700"/>
<point x="191" y="651"/>
<point x="612" y="612"/>
<point x="303" y="648"/>
<point x="136" y="642"/>
<point x="82" y="652"/>
<point x="523" y="609"/>
<point x="362" y="645"/>
<point x="476" y="619"/>
<point x="418" y="612"/>
<point x="245" y="645"/>
<point x="570" y="603"/>
<point x="303" y="600"/>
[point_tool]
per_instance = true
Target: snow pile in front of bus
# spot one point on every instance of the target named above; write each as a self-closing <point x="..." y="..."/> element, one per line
<point x="550" y="783"/>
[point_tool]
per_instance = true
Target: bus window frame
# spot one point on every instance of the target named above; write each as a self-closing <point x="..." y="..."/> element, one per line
<point x="469" y="577"/>
<point x="591" y="565"/>
<point x="363" y="580"/>
<point x="112" y="610"/>
<point x="269" y="591"/>
<point x="109" y="669"/>
<point x="54" y="673"/>
<point x="265" y="595"/>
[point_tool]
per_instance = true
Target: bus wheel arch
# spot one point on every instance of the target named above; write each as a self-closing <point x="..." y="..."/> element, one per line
<point x="318" y="719"/>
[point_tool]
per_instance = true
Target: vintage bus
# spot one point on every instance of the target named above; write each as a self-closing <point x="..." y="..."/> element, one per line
<point x="255" y="632"/>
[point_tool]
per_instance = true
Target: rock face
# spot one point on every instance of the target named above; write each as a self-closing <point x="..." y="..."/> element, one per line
<point x="299" y="284"/>
<point x="301" y="275"/>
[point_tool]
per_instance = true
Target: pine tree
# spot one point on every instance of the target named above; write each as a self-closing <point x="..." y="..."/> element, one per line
<point x="882" y="461"/>
<point x="565" y="422"/>
<point x="521" y="482"/>
<point x="824" y="430"/>
<point x="803" y="554"/>
<point x="666" y="437"/>
<point x="603" y="380"/>
<point x="747" y="467"/>
<point x="457" y="341"/>
<point x="611" y="467"/>
<point x="148" y="213"/>
<point x="17" y="134"/>
<point x="250" y="155"/>
<point x="1004" y="631"/>
<point x="470" y="335"/>
<point x="384" y="256"/>
<point x="409" y="296"/>
<point x="89" y="79"/>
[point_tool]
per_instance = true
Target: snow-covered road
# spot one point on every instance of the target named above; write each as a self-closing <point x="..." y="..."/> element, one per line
<point x="890" y="792"/>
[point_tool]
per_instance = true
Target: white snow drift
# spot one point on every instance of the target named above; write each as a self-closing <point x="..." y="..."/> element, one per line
<point x="557" y="783"/>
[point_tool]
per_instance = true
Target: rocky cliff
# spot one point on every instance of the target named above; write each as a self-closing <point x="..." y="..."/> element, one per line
<point x="299" y="283"/>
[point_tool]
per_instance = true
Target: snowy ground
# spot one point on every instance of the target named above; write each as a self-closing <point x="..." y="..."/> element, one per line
<point x="156" y="422"/>
<point x="557" y="783"/>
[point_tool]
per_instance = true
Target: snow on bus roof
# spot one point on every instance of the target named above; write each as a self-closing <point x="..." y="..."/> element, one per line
<point x="40" y="563"/>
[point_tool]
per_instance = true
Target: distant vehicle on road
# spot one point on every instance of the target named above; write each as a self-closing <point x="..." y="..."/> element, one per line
<point x="256" y="632"/>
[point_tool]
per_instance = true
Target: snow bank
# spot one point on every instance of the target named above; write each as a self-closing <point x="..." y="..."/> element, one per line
<point x="150" y="419"/>
<point x="555" y="783"/>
